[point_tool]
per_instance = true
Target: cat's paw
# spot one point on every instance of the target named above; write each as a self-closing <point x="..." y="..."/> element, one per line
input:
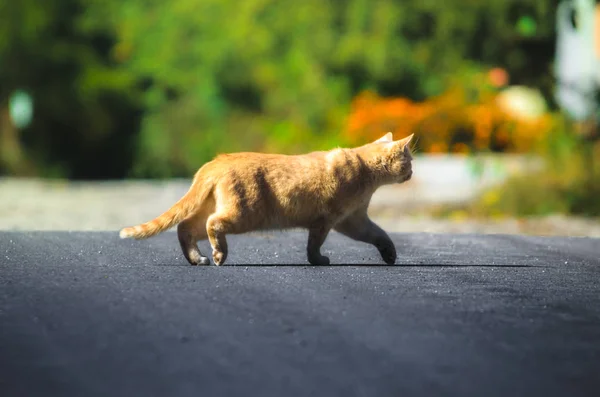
<point x="318" y="260"/>
<point x="201" y="261"/>
<point x="196" y="259"/>
<point x="219" y="257"/>
<point x="388" y="254"/>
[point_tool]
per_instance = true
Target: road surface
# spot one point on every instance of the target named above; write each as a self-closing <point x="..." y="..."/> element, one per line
<point x="88" y="314"/>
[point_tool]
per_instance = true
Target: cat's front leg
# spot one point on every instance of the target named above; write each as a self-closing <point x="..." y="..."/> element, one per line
<point x="386" y="248"/>
<point x="216" y="227"/>
<point x="359" y="227"/>
<point x="316" y="238"/>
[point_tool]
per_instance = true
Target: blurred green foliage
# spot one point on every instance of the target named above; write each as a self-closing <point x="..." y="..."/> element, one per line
<point x="152" y="88"/>
<point x="569" y="181"/>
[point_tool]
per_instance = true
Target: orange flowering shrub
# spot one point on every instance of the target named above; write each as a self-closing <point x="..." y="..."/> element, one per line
<point x="461" y="120"/>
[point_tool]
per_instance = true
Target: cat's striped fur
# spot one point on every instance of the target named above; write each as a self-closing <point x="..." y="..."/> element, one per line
<point x="319" y="191"/>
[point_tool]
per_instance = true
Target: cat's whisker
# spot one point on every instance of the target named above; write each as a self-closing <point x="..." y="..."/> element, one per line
<point x="415" y="148"/>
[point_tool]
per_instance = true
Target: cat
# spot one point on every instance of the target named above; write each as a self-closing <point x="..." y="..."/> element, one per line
<point x="319" y="191"/>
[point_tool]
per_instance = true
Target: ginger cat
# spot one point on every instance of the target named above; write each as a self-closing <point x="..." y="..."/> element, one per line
<point x="319" y="191"/>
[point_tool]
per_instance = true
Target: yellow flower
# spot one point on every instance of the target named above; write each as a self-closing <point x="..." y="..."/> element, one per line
<point x="490" y="198"/>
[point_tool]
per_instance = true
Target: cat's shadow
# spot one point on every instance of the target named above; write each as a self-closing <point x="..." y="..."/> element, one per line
<point x="367" y="265"/>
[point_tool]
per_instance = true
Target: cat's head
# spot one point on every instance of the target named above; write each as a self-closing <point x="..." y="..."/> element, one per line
<point x="396" y="157"/>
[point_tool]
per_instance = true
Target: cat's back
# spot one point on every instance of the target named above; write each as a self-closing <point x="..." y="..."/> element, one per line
<point x="279" y="174"/>
<point x="269" y="164"/>
<point x="244" y="159"/>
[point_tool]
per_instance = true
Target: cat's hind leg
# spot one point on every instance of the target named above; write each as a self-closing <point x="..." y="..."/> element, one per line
<point x="217" y="226"/>
<point x="188" y="233"/>
<point x="359" y="227"/>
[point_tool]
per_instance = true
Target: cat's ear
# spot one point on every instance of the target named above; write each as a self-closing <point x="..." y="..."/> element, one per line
<point x="386" y="138"/>
<point x="403" y="143"/>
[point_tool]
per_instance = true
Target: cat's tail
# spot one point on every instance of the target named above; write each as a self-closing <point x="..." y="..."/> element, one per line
<point x="182" y="209"/>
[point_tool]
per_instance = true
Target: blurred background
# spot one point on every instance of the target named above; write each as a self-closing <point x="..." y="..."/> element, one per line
<point x="108" y="107"/>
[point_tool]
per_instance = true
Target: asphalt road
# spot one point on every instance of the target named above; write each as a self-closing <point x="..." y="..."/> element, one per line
<point x="88" y="314"/>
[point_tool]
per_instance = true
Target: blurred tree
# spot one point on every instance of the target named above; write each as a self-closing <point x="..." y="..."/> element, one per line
<point x="79" y="97"/>
<point x="226" y="75"/>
